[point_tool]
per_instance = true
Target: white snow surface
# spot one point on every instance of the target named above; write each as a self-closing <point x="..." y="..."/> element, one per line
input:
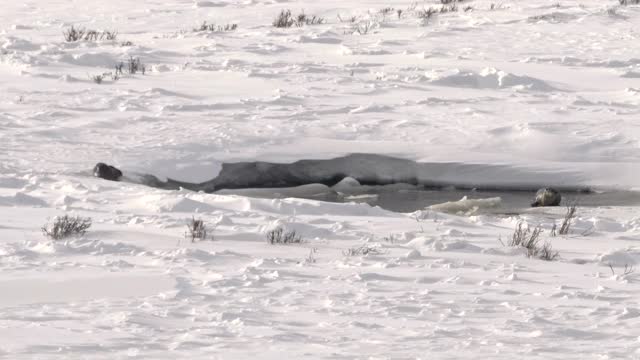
<point x="466" y="206"/>
<point x="548" y="89"/>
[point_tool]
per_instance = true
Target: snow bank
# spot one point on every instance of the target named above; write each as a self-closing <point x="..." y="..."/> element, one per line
<point x="620" y="257"/>
<point x="21" y="199"/>
<point x="490" y="78"/>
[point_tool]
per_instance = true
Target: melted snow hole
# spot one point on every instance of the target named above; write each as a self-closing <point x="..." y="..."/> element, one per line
<point x="397" y="184"/>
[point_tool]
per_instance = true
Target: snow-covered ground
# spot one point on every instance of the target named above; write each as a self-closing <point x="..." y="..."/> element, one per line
<point x="538" y="91"/>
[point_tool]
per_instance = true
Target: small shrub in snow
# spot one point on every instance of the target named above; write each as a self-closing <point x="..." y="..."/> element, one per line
<point x="426" y="14"/>
<point x="363" y="28"/>
<point x="546" y="252"/>
<point x="197" y="230"/>
<point x="495" y="6"/>
<point x="126" y="43"/>
<point x="350" y="19"/>
<point x="91" y="35"/>
<point x="628" y="270"/>
<point x="629" y="2"/>
<point x="135" y="65"/>
<point x="66" y="226"/>
<point x="311" y="258"/>
<point x="304" y="19"/>
<point x="109" y="35"/>
<point x="77" y="34"/>
<point x="526" y="238"/>
<point x="97" y="78"/>
<point x="118" y="68"/>
<point x="286" y="19"/>
<point x="530" y="239"/>
<point x="132" y="66"/>
<point x="363" y="250"/>
<point x="450" y="8"/>
<point x="568" y="218"/>
<point x="279" y="236"/>
<point x="74" y="34"/>
<point x="390" y="239"/>
<point x="386" y="11"/>
<point x="100" y="78"/>
<point x="215" y="28"/>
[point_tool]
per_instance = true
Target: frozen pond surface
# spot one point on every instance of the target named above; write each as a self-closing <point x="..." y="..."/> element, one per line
<point x="399" y="185"/>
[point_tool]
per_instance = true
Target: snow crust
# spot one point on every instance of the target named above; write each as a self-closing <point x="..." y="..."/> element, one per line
<point x="466" y="206"/>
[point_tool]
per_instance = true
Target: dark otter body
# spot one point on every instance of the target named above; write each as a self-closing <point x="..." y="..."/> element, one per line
<point x="547" y="197"/>
<point x="106" y="172"/>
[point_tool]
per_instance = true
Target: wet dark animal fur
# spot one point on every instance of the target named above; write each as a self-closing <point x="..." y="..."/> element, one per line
<point x="106" y="172"/>
<point x="547" y="197"/>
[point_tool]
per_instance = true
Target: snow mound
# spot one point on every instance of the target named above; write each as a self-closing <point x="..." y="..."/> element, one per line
<point x="346" y="51"/>
<point x="326" y="37"/>
<point x="490" y="78"/>
<point x="104" y="60"/>
<point x="348" y="183"/>
<point x="467" y="206"/>
<point x="620" y="257"/>
<point x="188" y="254"/>
<point x="12" y="182"/>
<point x="606" y="225"/>
<point x="21" y="199"/>
<point x="432" y="244"/>
<point x="371" y="108"/>
<point x="412" y="254"/>
<point x="205" y="4"/>
<point x="13" y="43"/>
<point x="455" y="246"/>
<point x="172" y="203"/>
<point x="79" y="246"/>
<point x="630" y="74"/>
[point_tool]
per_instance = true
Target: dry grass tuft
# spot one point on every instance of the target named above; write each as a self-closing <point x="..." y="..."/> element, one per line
<point x="568" y="218"/>
<point x="286" y="19"/>
<point x="66" y="226"/>
<point x="528" y="238"/>
<point x="197" y="230"/>
<point x="363" y="250"/>
<point x="279" y="236"/>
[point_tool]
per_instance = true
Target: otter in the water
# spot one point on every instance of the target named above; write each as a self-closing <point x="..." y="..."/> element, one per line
<point x="547" y="197"/>
<point x="106" y="172"/>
